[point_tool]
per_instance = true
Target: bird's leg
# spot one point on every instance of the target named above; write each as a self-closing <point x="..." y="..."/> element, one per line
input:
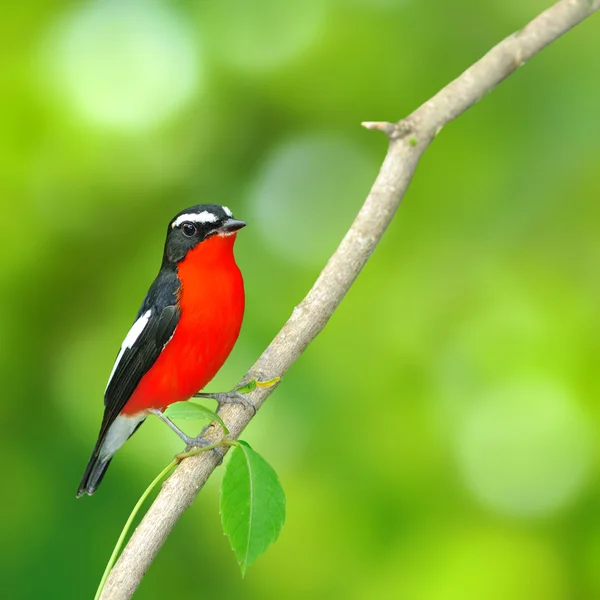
<point x="190" y="442"/>
<point x="232" y="397"/>
<point x="186" y="438"/>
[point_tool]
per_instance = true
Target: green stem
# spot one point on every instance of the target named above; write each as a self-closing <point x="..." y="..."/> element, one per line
<point x="134" y="512"/>
<point x="178" y="458"/>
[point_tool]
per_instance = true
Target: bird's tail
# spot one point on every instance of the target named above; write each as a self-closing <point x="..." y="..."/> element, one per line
<point x="94" y="472"/>
<point x="111" y="438"/>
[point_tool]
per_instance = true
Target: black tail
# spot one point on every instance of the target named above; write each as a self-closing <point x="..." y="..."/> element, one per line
<point x="94" y="472"/>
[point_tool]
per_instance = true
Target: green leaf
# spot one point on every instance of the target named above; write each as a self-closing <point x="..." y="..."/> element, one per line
<point x="252" y="505"/>
<point x="253" y="383"/>
<point x="247" y="388"/>
<point x="189" y="410"/>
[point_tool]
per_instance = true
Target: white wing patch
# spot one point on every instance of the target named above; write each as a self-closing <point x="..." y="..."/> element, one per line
<point x="130" y="339"/>
<point x="201" y="217"/>
<point x="228" y="212"/>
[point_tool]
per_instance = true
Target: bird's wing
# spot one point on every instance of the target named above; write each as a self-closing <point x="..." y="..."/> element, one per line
<point x="152" y="331"/>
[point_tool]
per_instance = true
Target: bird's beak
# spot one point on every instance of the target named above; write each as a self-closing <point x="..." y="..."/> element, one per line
<point x="231" y="225"/>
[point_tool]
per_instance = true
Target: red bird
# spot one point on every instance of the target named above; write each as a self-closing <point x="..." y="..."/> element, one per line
<point x="185" y="329"/>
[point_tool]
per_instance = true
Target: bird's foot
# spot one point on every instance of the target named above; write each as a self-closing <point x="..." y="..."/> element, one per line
<point x="190" y="442"/>
<point x="237" y="395"/>
<point x="232" y="397"/>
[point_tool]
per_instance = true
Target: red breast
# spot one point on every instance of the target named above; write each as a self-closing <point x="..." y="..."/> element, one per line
<point x="211" y="301"/>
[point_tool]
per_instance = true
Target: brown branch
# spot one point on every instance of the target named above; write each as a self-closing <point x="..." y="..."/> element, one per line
<point x="408" y="139"/>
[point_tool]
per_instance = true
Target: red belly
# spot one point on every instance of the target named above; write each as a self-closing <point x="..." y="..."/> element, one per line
<point x="212" y="308"/>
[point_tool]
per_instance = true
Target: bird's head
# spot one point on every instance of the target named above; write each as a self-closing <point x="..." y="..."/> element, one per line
<point x="195" y="225"/>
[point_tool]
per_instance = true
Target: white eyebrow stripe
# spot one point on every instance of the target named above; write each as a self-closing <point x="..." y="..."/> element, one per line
<point x="202" y="217"/>
<point x="130" y="339"/>
<point x="228" y="212"/>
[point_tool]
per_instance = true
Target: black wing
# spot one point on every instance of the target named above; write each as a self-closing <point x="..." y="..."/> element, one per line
<point x="154" y="327"/>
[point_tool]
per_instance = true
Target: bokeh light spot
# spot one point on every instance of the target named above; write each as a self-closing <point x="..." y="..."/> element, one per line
<point x="260" y="36"/>
<point x="307" y="193"/>
<point x="126" y="65"/>
<point x="525" y="449"/>
<point x="374" y="5"/>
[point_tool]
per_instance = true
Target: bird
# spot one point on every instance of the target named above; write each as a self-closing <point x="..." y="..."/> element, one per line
<point x="184" y="331"/>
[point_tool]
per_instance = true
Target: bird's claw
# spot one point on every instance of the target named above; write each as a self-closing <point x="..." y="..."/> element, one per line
<point x="232" y="397"/>
<point x="235" y="397"/>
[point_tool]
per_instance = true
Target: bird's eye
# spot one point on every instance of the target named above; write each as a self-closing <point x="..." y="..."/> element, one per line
<point x="189" y="229"/>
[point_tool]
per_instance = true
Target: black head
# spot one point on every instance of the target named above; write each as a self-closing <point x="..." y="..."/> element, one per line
<point x="196" y="224"/>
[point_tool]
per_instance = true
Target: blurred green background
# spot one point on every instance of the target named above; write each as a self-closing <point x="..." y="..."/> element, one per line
<point x="439" y="440"/>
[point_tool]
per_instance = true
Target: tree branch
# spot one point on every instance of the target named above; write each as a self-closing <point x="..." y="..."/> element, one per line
<point x="408" y="139"/>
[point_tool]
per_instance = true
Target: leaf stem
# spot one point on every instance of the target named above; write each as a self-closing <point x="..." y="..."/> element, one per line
<point x="178" y="458"/>
<point x="134" y="512"/>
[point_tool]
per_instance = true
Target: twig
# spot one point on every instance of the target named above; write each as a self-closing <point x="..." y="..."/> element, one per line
<point x="408" y="139"/>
